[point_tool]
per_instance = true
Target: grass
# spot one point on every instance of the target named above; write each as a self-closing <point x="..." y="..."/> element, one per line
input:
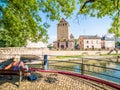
<point x="63" y="57"/>
<point x="77" y="56"/>
<point x="110" y="55"/>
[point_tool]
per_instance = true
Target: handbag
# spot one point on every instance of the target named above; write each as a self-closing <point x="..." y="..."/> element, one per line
<point x="32" y="78"/>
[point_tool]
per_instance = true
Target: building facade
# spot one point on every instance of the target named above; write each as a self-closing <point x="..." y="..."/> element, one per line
<point x="107" y="43"/>
<point x="89" y="42"/>
<point x="65" y="41"/>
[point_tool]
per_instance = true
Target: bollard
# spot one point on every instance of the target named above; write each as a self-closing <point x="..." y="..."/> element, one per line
<point x="45" y="63"/>
<point x="82" y="67"/>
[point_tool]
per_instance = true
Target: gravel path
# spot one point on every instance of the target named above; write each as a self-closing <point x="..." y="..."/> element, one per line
<point x="49" y="81"/>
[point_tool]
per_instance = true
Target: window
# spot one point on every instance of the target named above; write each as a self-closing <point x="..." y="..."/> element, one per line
<point x="67" y="44"/>
<point x="58" y="45"/>
<point x="87" y="41"/>
<point x="92" y="47"/>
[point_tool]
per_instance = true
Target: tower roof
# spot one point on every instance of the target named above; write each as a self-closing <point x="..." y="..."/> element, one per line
<point x="63" y="21"/>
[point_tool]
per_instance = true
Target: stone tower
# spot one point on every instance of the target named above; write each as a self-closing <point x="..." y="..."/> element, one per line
<point x="63" y="31"/>
<point x="65" y="41"/>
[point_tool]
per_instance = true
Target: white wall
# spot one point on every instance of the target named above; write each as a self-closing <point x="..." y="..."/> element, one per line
<point x="110" y="44"/>
<point x="39" y="44"/>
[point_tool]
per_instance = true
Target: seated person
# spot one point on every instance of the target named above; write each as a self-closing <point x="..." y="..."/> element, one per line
<point x="17" y="65"/>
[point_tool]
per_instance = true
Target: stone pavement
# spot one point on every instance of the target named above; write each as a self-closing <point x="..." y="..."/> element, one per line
<point x="52" y="81"/>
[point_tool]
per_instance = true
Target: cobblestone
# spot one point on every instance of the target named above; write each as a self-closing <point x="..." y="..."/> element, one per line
<point x="60" y="82"/>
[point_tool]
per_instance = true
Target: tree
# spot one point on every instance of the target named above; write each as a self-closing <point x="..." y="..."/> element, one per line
<point x="50" y="46"/>
<point x="117" y="44"/>
<point x="22" y="20"/>
<point x="101" y="8"/>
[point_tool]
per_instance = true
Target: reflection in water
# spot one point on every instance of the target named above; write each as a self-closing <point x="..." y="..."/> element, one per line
<point x="111" y="65"/>
<point x="102" y="72"/>
<point x="76" y="68"/>
<point x="96" y="68"/>
<point x="112" y="73"/>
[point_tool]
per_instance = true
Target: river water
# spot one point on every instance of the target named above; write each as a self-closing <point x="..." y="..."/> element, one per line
<point x="114" y="73"/>
<point x="105" y="70"/>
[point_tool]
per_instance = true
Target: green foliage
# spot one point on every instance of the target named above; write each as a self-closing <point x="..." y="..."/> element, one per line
<point x="101" y="8"/>
<point x="50" y="46"/>
<point x="63" y="57"/>
<point x="115" y="26"/>
<point x="117" y="44"/>
<point x="76" y="41"/>
<point x="22" y="20"/>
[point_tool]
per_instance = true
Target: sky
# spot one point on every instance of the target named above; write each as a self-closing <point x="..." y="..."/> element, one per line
<point x="86" y="26"/>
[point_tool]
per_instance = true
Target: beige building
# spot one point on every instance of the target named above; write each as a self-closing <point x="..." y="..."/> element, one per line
<point x="65" y="41"/>
<point x="89" y="42"/>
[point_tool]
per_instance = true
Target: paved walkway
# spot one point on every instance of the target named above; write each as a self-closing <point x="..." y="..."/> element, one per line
<point x="51" y="81"/>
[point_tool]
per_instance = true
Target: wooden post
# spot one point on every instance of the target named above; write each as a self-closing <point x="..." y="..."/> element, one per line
<point x="20" y="79"/>
<point x="82" y="67"/>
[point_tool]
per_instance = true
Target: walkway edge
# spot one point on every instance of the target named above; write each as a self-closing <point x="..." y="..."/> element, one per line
<point x="114" y="85"/>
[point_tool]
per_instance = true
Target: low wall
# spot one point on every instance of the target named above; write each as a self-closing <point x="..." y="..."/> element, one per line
<point x="68" y="53"/>
<point x="9" y="52"/>
<point x="6" y="53"/>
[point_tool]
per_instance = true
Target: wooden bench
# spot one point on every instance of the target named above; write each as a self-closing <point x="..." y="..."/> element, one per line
<point x="19" y="73"/>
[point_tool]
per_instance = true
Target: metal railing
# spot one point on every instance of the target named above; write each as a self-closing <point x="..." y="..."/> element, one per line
<point x="99" y="70"/>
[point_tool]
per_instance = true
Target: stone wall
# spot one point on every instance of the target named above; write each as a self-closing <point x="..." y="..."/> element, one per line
<point x="6" y="53"/>
<point x="77" y="52"/>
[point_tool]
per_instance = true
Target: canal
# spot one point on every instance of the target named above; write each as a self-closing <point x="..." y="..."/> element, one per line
<point x="103" y="69"/>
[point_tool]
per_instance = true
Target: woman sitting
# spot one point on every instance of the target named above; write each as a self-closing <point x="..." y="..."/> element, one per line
<point x="17" y="65"/>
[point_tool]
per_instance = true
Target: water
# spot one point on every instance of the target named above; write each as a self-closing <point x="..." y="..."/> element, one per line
<point x="113" y="73"/>
<point x="95" y="71"/>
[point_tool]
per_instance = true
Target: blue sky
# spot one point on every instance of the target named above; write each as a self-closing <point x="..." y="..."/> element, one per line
<point x="86" y="26"/>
